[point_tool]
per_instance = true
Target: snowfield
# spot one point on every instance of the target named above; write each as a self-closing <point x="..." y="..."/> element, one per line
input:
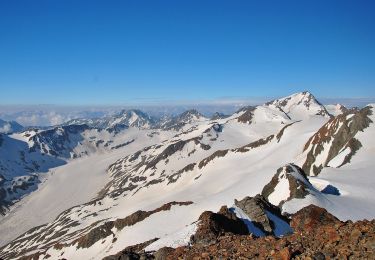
<point x="66" y="186"/>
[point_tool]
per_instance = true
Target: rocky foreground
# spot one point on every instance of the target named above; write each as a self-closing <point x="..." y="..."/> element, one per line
<point x="316" y="235"/>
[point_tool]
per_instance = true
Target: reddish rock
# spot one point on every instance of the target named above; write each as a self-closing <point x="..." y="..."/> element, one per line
<point x="283" y="254"/>
<point x="212" y="225"/>
<point x="310" y="218"/>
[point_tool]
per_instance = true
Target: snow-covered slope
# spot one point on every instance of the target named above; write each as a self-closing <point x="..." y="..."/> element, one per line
<point x="156" y="191"/>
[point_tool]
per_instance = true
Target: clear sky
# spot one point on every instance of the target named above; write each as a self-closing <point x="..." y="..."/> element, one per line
<point x="116" y="52"/>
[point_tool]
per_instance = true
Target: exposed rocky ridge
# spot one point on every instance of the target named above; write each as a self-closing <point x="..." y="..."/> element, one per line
<point x="179" y="121"/>
<point x="255" y="144"/>
<point x="297" y="185"/>
<point x="129" y="174"/>
<point x="336" y="136"/>
<point x="247" y="115"/>
<point x="104" y="230"/>
<point x="132" y="171"/>
<point x="149" y="165"/>
<point x="281" y="132"/>
<point x="82" y="238"/>
<point x="242" y="149"/>
<point x="317" y="235"/>
<point x="58" y="141"/>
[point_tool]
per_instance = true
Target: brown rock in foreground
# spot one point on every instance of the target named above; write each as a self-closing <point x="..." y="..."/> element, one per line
<point x="212" y="225"/>
<point x="318" y="235"/>
<point x="312" y="217"/>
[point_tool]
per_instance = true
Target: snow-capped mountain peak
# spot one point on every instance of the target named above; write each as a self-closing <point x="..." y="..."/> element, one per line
<point x="133" y="118"/>
<point x="190" y="116"/>
<point x="177" y="122"/>
<point x="299" y="106"/>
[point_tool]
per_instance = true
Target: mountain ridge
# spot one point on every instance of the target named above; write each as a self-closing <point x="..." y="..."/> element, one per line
<point x="206" y="162"/>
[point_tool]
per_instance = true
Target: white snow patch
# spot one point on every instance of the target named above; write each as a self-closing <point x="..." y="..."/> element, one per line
<point x="339" y="159"/>
<point x="176" y="239"/>
<point x="282" y="190"/>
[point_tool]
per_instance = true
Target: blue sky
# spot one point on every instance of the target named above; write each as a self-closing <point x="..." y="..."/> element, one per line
<point x="119" y="52"/>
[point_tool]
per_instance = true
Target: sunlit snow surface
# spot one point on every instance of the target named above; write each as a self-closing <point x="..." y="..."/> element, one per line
<point x="223" y="179"/>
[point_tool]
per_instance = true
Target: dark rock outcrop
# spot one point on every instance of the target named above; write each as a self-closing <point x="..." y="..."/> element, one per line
<point x="256" y="209"/>
<point x="213" y="225"/>
<point x="141" y="215"/>
<point x="217" y="154"/>
<point x="255" y="144"/>
<point x="247" y="115"/>
<point x="95" y="235"/>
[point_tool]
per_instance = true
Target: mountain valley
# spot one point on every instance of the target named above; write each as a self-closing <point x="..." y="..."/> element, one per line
<point x="191" y="185"/>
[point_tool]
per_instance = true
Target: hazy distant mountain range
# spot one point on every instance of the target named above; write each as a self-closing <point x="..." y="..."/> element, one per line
<point x="47" y="115"/>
